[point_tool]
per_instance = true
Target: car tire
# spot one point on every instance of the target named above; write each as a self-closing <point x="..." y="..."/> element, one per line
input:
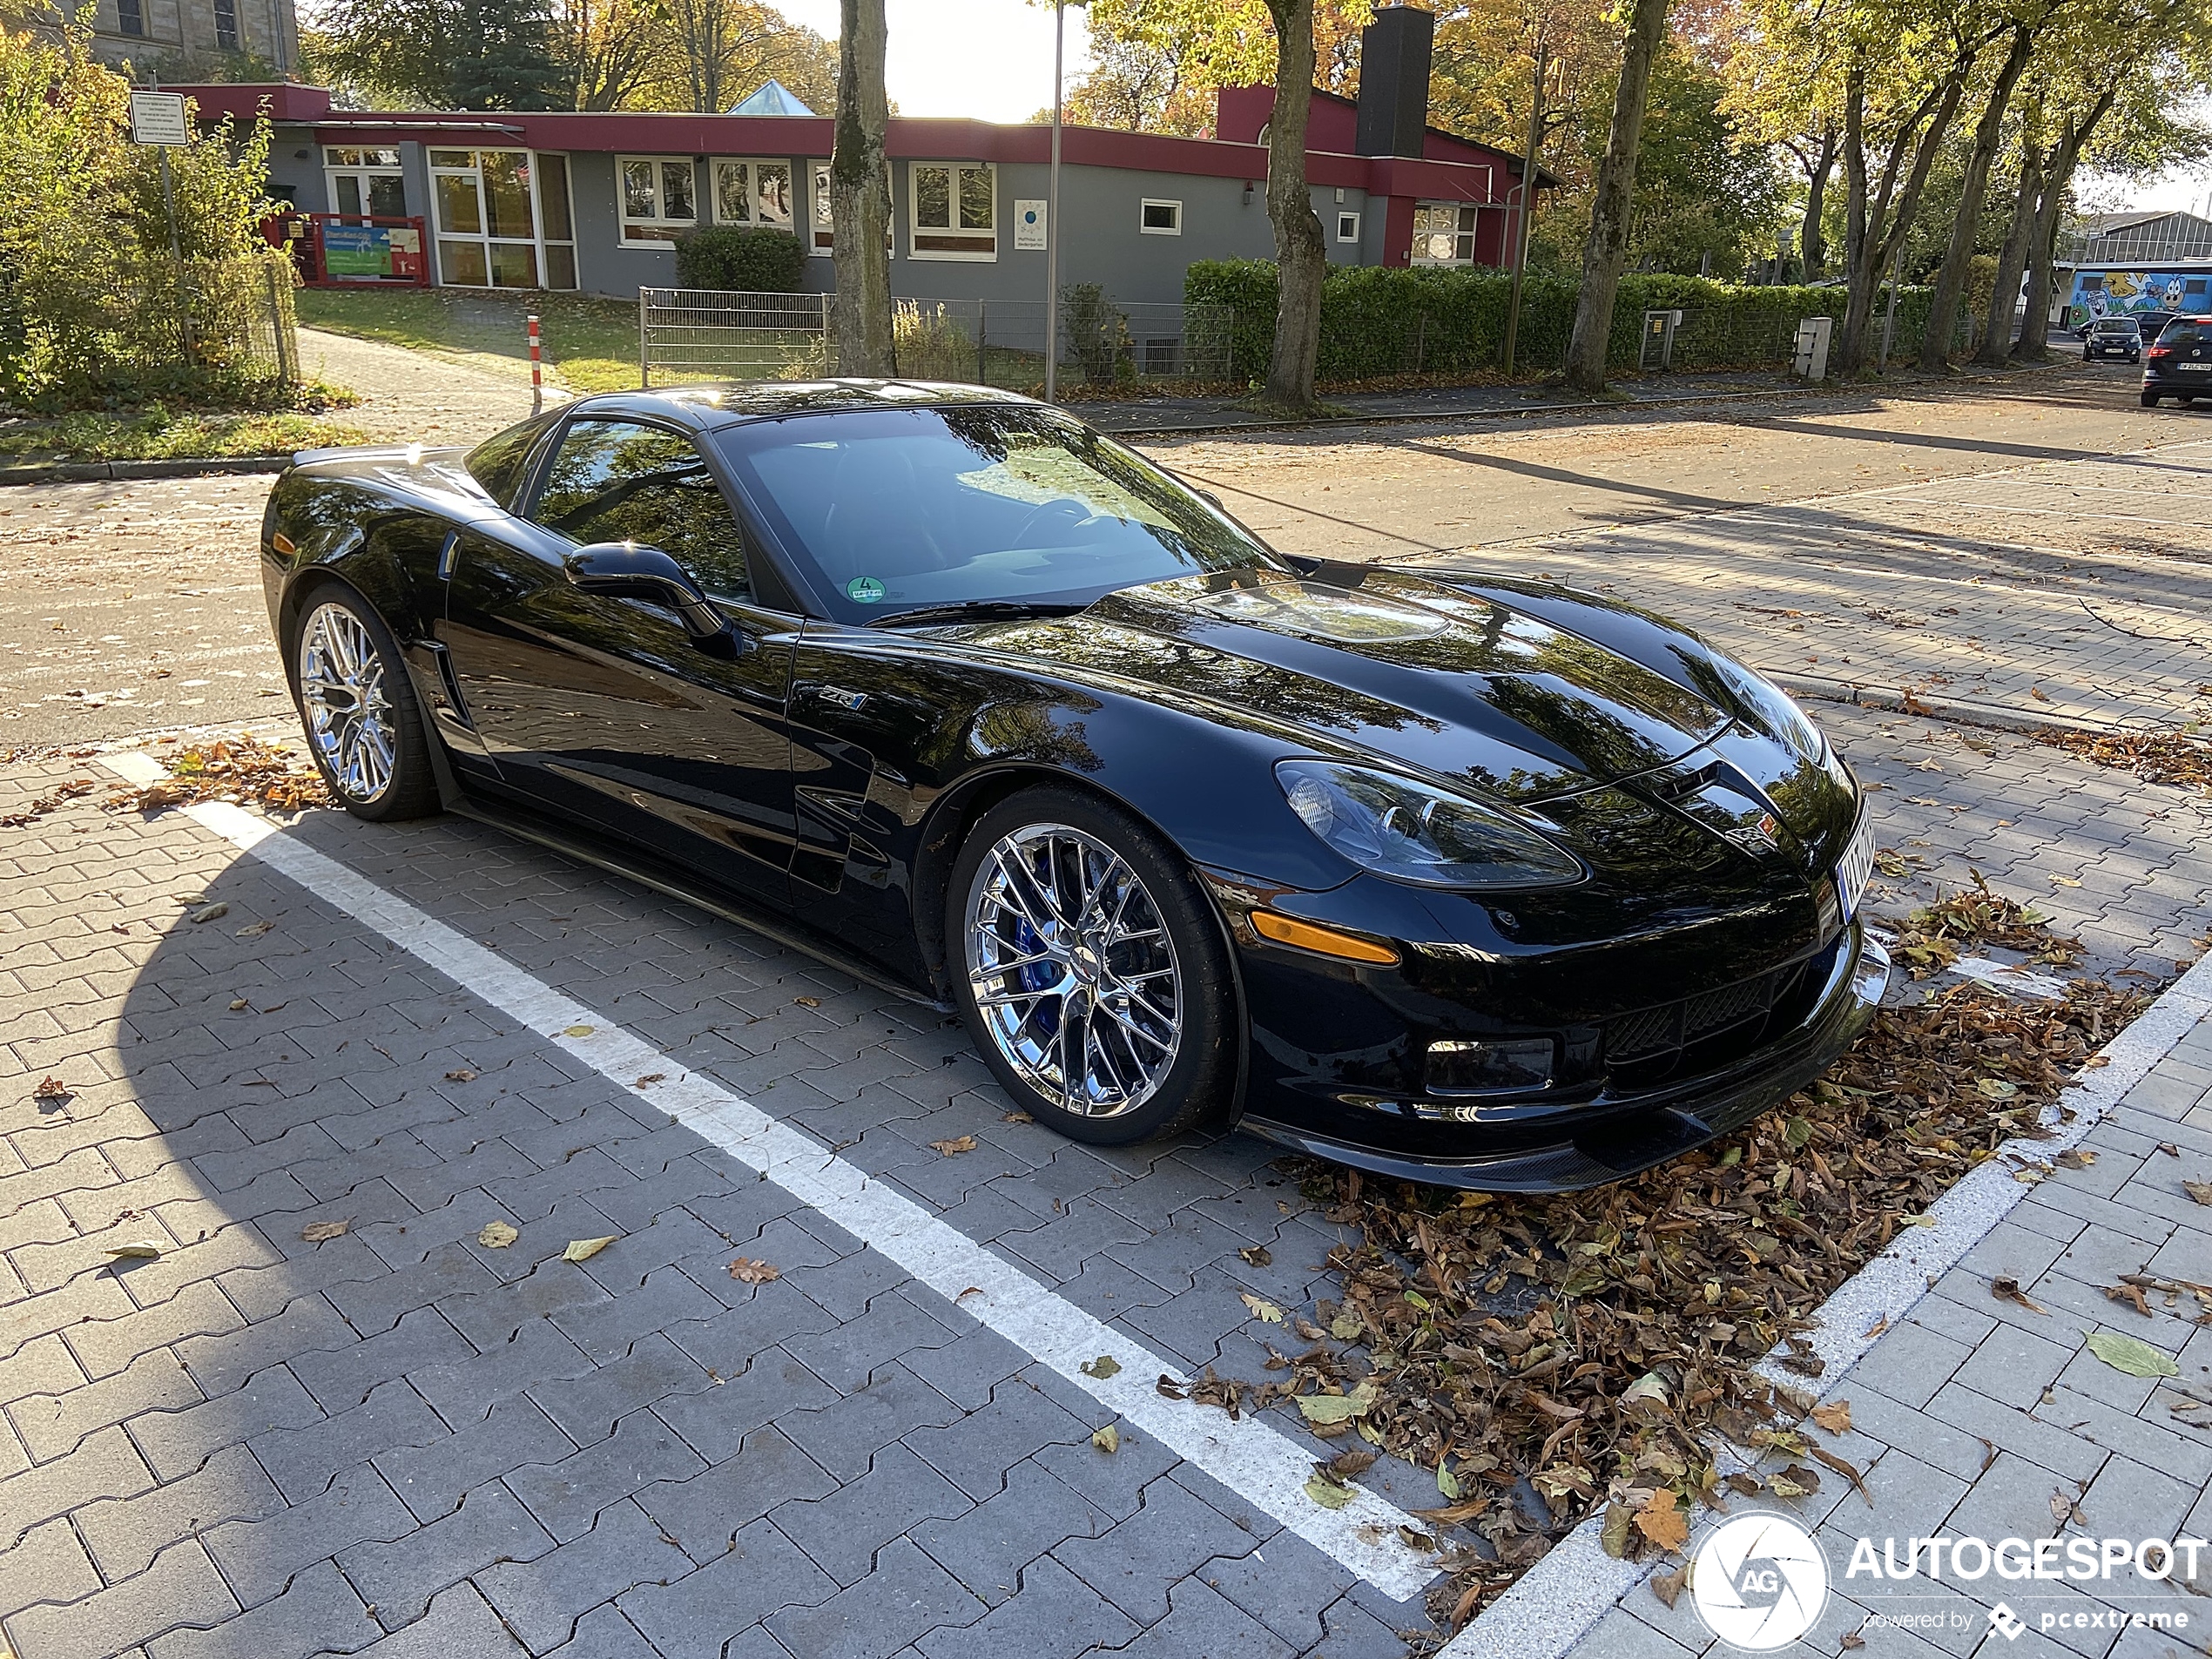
<point x="357" y="708"/>
<point x="2150" y="400"/>
<point x="1144" y="949"/>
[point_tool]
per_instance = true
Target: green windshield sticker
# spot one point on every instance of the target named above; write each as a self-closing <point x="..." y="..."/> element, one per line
<point x="864" y="589"/>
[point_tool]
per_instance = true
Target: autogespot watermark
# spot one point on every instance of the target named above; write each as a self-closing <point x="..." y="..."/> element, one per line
<point x="1760" y="1582"/>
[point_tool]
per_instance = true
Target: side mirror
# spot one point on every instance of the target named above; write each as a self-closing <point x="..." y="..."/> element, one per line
<point x="627" y="570"/>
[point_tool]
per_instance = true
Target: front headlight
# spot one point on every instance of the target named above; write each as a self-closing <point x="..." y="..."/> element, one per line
<point x="1409" y="832"/>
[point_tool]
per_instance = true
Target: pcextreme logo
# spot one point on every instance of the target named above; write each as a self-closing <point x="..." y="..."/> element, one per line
<point x="1759" y="1582"/>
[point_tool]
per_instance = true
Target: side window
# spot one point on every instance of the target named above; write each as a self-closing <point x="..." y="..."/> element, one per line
<point x="614" y="481"/>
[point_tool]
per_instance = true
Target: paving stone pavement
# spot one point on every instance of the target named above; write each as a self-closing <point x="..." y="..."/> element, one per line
<point x="399" y="1440"/>
<point x="1985" y="1418"/>
<point x="2064" y="592"/>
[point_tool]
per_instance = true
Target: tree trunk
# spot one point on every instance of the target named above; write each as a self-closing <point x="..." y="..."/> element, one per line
<point x="1301" y="255"/>
<point x="1951" y="280"/>
<point x="1997" y="327"/>
<point x="1607" y="251"/>
<point x="2035" y="319"/>
<point x="1858" y="300"/>
<point x="1811" y="237"/>
<point x="861" y="197"/>
<point x="1879" y="227"/>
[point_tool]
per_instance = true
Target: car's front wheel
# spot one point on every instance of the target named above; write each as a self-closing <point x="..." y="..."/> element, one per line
<point x="1091" y="969"/>
<point x="359" y="712"/>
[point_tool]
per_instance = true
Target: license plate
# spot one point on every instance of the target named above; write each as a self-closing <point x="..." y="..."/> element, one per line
<point x="1855" y="867"/>
<point x="2194" y="369"/>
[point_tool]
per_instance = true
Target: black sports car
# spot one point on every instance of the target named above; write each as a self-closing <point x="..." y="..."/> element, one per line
<point x="1491" y="883"/>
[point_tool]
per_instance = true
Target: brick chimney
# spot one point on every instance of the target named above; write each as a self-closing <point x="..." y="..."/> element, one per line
<point x="1393" y="81"/>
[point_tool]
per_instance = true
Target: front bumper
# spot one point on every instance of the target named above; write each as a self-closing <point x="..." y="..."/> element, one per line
<point x="1613" y="1135"/>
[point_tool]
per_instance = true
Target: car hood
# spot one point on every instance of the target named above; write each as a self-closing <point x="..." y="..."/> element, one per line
<point x="1464" y="687"/>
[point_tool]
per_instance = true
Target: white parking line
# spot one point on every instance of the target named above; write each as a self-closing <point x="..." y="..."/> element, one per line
<point x="1263" y="1467"/>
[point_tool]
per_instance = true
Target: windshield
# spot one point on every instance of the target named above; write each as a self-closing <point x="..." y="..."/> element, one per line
<point x="2181" y="334"/>
<point x="2124" y="326"/>
<point x="902" y="509"/>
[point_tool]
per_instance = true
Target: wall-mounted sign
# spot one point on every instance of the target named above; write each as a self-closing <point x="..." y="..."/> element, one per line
<point x="1028" y="224"/>
<point x="159" y="117"/>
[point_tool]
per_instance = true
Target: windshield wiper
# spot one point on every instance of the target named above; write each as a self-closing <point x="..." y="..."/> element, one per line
<point x="982" y="611"/>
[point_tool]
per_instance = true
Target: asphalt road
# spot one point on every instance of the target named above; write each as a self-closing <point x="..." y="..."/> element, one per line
<point x="136" y="605"/>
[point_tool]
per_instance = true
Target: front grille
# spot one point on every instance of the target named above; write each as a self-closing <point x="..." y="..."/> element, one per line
<point x="1699" y="1033"/>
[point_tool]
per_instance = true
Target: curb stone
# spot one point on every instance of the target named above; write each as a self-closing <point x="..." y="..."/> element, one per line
<point x="77" y="472"/>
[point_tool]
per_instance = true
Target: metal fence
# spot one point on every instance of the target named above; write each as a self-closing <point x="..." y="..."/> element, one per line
<point x="695" y="334"/>
<point x="232" y="319"/>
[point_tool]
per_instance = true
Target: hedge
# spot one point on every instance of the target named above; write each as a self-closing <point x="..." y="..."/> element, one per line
<point x="737" y="259"/>
<point x="1379" y="320"/>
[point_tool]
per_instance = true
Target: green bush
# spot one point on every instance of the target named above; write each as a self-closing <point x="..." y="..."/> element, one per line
<point x="1378" y="320"/>
<point x="736" y="258"/>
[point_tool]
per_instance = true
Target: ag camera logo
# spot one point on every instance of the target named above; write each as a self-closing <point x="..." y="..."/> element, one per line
<point x="1759" y="1582"/>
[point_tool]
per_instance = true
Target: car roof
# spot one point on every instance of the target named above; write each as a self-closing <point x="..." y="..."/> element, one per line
<point x="708" y="407"/>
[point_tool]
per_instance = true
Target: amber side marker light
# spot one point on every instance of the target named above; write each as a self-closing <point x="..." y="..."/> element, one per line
<point x="1287" y="930"/>
<point x="283" y="544"/>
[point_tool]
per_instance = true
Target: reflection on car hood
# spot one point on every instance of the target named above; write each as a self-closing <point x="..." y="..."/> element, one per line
<point x="1459" y="685"/>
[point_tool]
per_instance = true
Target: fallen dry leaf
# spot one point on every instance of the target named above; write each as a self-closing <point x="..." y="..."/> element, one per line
<point x="256" y="929"/>
<point x="1330" y="1494"/>
<point x="1100" y="1368"/>
<point x="1261" y="1308"/>
<point x="2132" y="1355"/>
<point x="50" y="1088"/>
<point x="1257" y="1255"/>
<point x="953" y="1148"/>
<point x="2200" y="1190"/>
<point x="650" y="1079"/>
<point x="2005" y="1288"/>
<point x="238" y="1003"/>
<point x="582" y="1249"/>
<point x="578" y="1030"/>
<point x="496" y="1234"/>
<point x="746" y="1270"/>
<point x="213" y="913"/>
<point x="2131" y="1294"/>
<point x="1668" y="1587"/>
<point x="1017" y="1117"/>
<point x="1835" y="1416"/>
<point x="315" y="1232"/>
<point x="1851" y="1642"/>
<point x="1662" y="1522"/>
<point x="808" y="1001"/>
<point x="460" y="1075"/>
<point x="143" y="1249"/>
<point x="1108" y="1438"/>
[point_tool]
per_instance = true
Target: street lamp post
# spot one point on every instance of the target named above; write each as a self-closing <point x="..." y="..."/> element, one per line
<point x="1528" y="200"/>
<point x="1052" y="214"/>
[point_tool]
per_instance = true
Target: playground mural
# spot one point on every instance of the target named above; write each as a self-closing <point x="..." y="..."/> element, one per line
<point x="2108" y="292"/>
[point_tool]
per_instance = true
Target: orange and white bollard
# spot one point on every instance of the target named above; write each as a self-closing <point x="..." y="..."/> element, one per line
<point x="537" y="381"/>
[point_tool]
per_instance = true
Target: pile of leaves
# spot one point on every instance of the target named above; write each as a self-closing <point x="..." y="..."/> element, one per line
<point x="2157" y="757"/>
<point x="1550" y="1357"/>
<point x="1934" y="937"/>
<point x="240" y="770"/>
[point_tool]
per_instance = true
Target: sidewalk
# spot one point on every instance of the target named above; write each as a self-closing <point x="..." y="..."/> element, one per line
<point x="1979" y="1415"/>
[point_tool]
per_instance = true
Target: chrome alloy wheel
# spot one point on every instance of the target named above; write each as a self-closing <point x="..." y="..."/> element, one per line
<point x="1073" y="971"/>
<point x="341" y="693"/>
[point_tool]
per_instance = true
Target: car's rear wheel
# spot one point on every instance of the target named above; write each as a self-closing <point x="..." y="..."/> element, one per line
<point x="1090" y="968"/>
<point x="363" y="727"/>
<point x="2150" y="400"/>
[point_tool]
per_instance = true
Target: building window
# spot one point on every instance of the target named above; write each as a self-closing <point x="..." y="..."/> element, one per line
<point x="225" y="25"/>
<point x="753" y="192"/>
<point x="659" y="199"/>
<point x="954" y="208"/>
<point x="130" y="17"/>
<point x="502" y="218"/>
<point x="367" y="181"/>
<point x="1444" y="233"/>
<point x="1347" y="227"/>
<point x="1160" y="219"/>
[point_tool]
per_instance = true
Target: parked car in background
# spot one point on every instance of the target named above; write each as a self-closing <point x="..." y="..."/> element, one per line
<point x="2179" y="365"/>
<point x="2113" y="337"/>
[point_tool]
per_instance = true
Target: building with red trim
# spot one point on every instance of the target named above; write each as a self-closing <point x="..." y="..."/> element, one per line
<point x="593" y="201"/>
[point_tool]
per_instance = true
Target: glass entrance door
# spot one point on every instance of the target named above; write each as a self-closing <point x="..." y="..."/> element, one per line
<point x="502" y="218"/>
<point x="366" y="181"/>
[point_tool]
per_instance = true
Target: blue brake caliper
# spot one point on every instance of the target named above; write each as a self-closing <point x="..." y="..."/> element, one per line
<point x="1034" y="976"/>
